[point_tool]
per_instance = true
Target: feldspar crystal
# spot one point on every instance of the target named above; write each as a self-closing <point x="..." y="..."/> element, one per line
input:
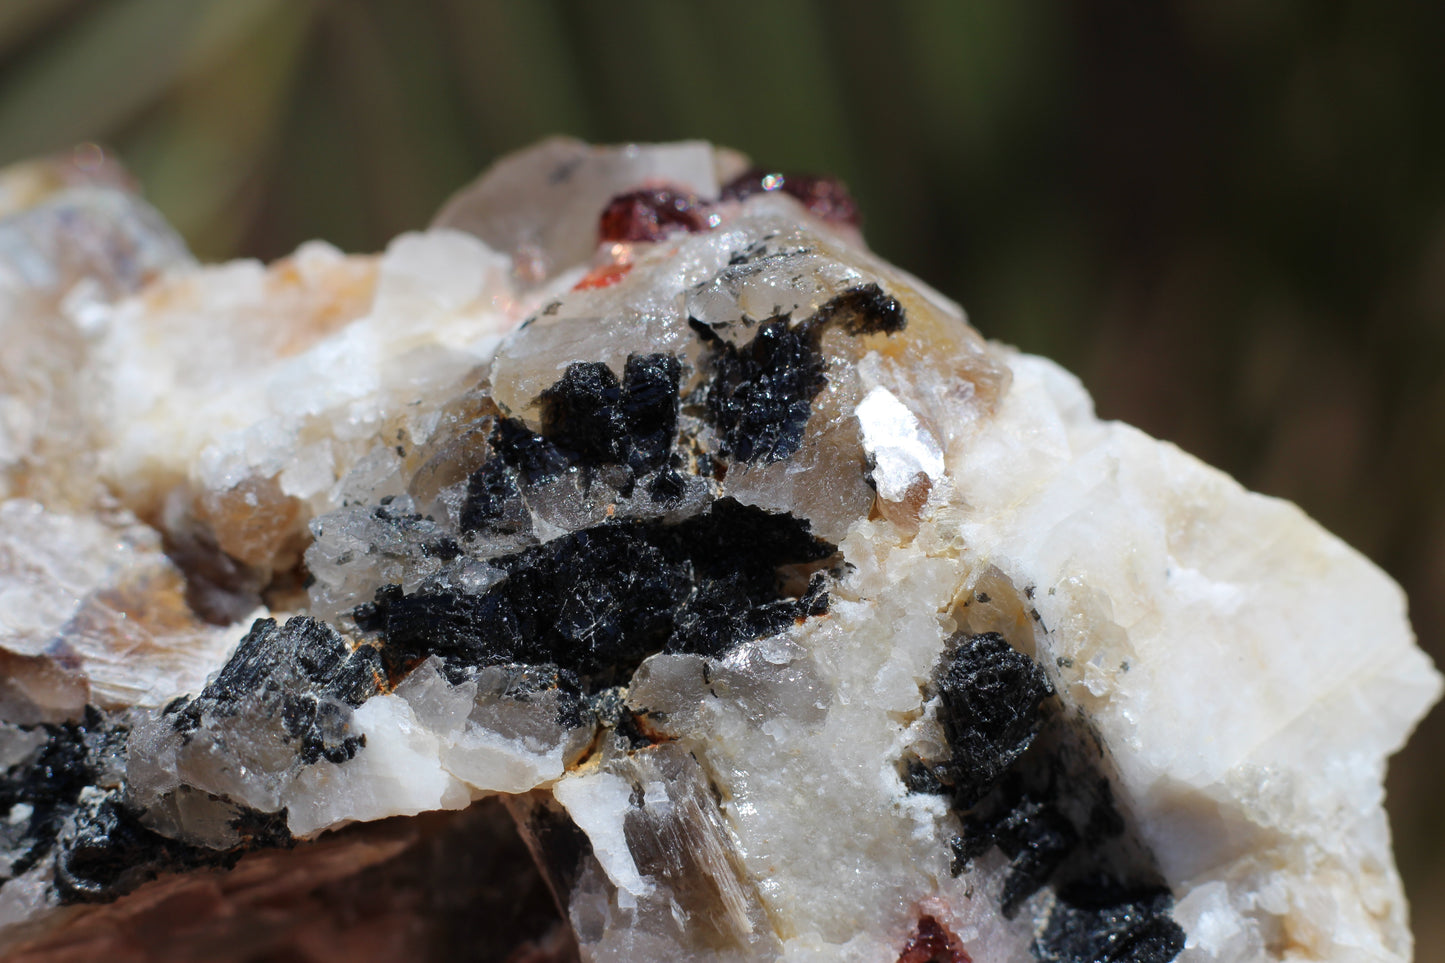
<point x="633" y="535"/>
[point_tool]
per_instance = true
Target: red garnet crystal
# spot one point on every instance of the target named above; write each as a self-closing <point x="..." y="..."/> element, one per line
<point x="827" y="197"/>
<point x="932" y="943"/>
<point x="650" y="215"/>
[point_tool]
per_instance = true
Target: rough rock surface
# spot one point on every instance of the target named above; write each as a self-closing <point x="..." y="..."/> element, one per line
<point x="637" y="506"/>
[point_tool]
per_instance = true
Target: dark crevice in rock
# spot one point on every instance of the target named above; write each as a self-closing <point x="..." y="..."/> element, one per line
<point x="467" y="891"/>
<point x="560" y="849"/>
<point x="453" y="886"/>
<point x="219" y="589"/>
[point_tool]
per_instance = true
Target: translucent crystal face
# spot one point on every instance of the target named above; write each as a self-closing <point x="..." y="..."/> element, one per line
<point x="788" y="618"/>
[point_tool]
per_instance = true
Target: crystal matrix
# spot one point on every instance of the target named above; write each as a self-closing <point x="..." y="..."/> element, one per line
<point x="637" y="506"/>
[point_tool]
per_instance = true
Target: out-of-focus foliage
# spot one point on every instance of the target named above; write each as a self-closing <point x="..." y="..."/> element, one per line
<point x="1228" y="216"/>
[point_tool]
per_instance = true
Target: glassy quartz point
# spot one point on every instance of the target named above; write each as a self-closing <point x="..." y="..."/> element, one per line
<point x="633" y="567"/>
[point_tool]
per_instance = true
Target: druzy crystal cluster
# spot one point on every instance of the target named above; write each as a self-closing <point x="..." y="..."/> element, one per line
<point x="633" y="567"/>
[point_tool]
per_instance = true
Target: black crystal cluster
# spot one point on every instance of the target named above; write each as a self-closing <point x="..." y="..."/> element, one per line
<point x="306" y="672"/>
<point x="1023" y="781"/>
<point x="577" y="612"/>
<point x="594" y="602"/>
<point x="76" y="816"/>
<point x="590" y="420"/>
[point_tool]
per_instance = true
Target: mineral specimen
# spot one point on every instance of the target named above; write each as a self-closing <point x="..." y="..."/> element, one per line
<point x="713" y="574"/>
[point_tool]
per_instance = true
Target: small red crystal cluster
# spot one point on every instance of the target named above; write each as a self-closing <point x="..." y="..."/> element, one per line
<point x="651" y="214"/>
<point x="933" y="943"/>
<point x="826" y="197"/>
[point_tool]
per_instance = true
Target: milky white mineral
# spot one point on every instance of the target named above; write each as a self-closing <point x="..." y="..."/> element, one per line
<point x="634" y="534"/>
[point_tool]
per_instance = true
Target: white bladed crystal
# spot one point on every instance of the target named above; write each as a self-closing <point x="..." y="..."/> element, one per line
<point x="598" y="803"/>
<point x="901" y="448"/>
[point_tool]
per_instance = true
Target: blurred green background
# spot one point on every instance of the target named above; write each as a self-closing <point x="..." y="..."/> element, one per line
<point x="1228" y="216"/>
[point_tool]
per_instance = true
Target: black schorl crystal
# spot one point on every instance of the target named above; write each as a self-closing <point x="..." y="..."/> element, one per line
<point x="306" y="671"/>
<point x="1027" y="826"/>
<point x="1097" y="921"/>
<point x="1037" y="838"/>
<point x="535" y="459"/>
<point x="495" y="504"/>
<point x="1025" y="782"/>
<point x="649" y="407"/>
<point x="49" y="781"/>
<point x="864" y="310"/>
<point x="110" y="851"/>
<point x="596" y="420"/>
<point x="991" y="695"/>
<point x="589" y="419"/>
<point x="99" y="847"/>
<point x="598" y="601"/>
<point x="303" y="673"/>
<point x="761" y="395"/>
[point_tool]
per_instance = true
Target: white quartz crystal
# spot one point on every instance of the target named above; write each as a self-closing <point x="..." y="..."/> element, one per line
<point x="791" y="618"/>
